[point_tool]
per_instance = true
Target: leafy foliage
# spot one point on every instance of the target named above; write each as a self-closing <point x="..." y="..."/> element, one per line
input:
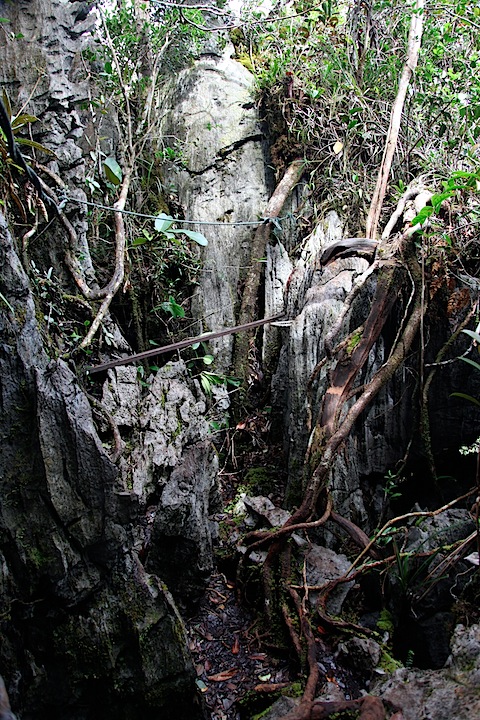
<point x="140" y="46"/>
<point x="19" y="123"/>
<point x="328" y="76"/>
<point x="164" y="224"/>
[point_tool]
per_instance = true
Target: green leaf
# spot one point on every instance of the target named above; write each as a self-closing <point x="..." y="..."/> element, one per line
<point x="437" y="199"/>
<point x="464" y="396"/>
<point x="201" y="685"/>
<point x="163" y="222"/>
<point x="36" y="145"/>
<point x="196" y="237"/>
<point x="471" y="362"/>
<point x="173" y="308"/>
<point x="138" y="241"/>
<point x="423" y="215"/>
<point x="92" y="184"/>
<point x="214" y="379"/>
<point x="205" y="382"/>
<point x="463" y="174"/>
<point x="21" y="120"/>
<point x="4" y="299"/>
<point x="208" y="359"/>
<point x="4" y="20"/>
<point x="112" y="170"/>
<point x="473" y="334"/>
<point x="233" y="381"/>
<point x="6" y="102"/>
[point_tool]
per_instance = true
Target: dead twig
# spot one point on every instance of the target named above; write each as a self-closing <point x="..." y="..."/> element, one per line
<point x="408" y="516"/>
<point x="248" y="309"/>
<point x="117" y="278"/>
<point x="413" y="49"/>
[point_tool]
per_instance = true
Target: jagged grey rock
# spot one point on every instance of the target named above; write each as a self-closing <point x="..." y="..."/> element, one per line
<point x="41" y="69"/>
<point x="210" y="111"/>
<point x="314" y="301"/>
<point x="80" y="602"/>
<point x="361" y="653"/>
<point x="440" y="694"/>
<point x="170" y="467"/>
<point x="323" y="565"/>
<point x="182" y="533"/>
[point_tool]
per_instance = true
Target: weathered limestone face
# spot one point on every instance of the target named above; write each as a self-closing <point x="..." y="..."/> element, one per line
<point x="210" y="111"/>
<point x="89" y="630"/>
<point x="82" y="608"/>
<point x="41" y="69"/>
<point x="169" y="468"/>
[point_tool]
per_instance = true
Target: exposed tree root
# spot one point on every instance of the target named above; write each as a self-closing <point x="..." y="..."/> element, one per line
<point x="357" y="534"/>
<point x="336" y="420"/>
<point x="248" y="308"/>
<point x="409" y="516"/>
<point x="368" y="708"/>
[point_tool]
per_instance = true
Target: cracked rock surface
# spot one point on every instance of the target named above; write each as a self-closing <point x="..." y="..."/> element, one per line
<point x="211" y="112"/>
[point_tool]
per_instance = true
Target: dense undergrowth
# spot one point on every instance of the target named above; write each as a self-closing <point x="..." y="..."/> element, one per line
<point x="327" y="77"/>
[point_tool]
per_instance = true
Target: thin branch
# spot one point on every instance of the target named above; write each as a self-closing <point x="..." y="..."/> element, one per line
<point x="117" y="278"/>
<point x="406" y="516"/>
<point x="123" y="87"/>
<point x="413" y="49"/>
<point x="205" y="337"/>
<point x="409" y="193"/>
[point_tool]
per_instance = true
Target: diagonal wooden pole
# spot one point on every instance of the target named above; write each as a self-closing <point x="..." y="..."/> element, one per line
<point x="182" y="344"/>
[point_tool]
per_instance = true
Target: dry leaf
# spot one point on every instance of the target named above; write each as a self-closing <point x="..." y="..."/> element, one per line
<point x="236" y="646"/>
<point x="270" y="687"/>
<point x="338" y="147"/>
<point x="224" y="675"/>
<point x="258" y="656"/>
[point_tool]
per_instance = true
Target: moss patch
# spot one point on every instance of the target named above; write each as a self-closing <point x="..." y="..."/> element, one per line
<point x="260" y="480"/>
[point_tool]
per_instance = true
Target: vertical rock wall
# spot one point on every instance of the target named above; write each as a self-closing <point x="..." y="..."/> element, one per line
<point x="85" y="631"/>
<point x="83" y="625"/>
<point x="41" y="70"/>
<point x="210" y="111"/>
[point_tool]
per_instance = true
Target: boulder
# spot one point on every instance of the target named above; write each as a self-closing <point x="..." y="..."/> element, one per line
<point x="440" y="694"/>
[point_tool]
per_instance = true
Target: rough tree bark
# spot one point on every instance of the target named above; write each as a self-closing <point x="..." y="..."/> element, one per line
<point x="249" y="305"/>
